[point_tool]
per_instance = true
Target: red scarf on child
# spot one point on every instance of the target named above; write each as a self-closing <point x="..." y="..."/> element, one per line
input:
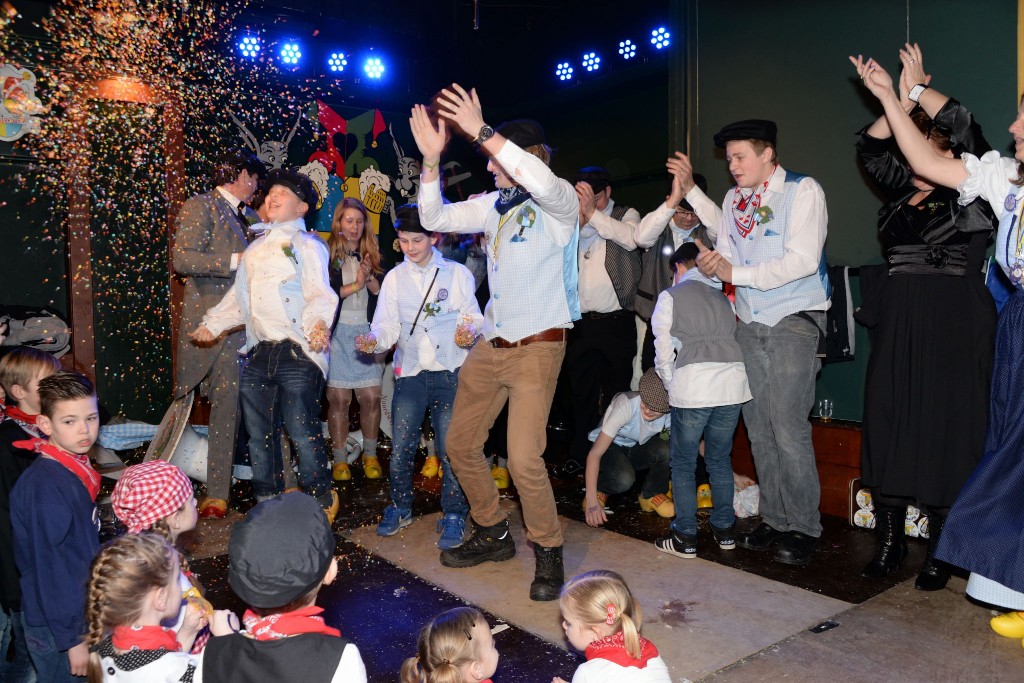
<point x="145" y="638"/>
<point x="78" y="465"/>
<point x="274" y="626"/>
<point x="613" y="648"/>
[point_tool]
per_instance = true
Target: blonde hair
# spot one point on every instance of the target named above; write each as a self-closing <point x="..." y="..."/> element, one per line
<point x="596" y="595"/>
<point x="445" y="644"/>
<point x="121" y="576"/>
<point x="367" y="243"/>
<point x="21" y="365"/>
<point x="542" y="152"/>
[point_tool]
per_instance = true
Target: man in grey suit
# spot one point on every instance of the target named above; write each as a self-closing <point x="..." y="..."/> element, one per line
<point x="210" y="238"/>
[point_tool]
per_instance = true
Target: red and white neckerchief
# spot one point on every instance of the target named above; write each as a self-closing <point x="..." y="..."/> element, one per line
<point x="745" y="208"/>
<point x="275" y="626"/>
<point x="24" y="420"/>
<point x="613" y="648"/>
<point x="127" y="638"/>
<point x="78" y="465"/>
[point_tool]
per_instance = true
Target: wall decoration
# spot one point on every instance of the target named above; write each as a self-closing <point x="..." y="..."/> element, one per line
<point x="19" y="106"/>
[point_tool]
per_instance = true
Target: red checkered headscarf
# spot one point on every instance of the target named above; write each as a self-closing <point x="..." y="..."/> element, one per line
<point x="149" y="492"/>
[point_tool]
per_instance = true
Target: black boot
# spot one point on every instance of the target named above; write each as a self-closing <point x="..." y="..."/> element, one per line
<point x="550" y="574"/>
<point x="487" y="544"/>
<point x="935" y="573"/>
<point x="892" y="543"/>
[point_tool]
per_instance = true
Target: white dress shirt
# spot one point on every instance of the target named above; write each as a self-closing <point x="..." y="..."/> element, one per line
<point x="597" y="293"/>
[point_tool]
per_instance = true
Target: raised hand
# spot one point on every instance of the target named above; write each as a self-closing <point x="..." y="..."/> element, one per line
<point x="913" y="65"/>
<point x="680" y="167"/>
<point x="430" y="139"/>
<point x="463" y="108"/>
<point x="585" y="193"/>
<point x="874" y="77"/>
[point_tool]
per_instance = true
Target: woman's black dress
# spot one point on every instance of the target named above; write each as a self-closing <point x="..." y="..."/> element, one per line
<point x="926" y="394"/>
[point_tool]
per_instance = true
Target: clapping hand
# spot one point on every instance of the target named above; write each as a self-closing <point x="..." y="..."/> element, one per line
<point x="462" y="108"/>
<point x="680" y="167"/>
<point x="912" y="74"/>
<point x="713" y="264"/>
<point x="430" y="138"/>
<point x="585" y="193"/>
<point x="875" y="78"/>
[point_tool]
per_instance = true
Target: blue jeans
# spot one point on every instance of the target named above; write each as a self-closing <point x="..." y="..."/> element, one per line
<point x="717" y="425"/>
<point x="619" y="466"/>
<point x="280" y="380"/>
<point x="413" y="395"/>
<point x="19" y="669"/>
<point x="52" y="665"/>
<point x="781" y="367"/>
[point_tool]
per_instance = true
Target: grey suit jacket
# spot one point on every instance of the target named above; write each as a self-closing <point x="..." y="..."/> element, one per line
<point x="208" y="233"/>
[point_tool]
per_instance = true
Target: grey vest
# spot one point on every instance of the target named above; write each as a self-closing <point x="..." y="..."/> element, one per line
<point x="704" y="322"/>
<point x="623" y="266"/>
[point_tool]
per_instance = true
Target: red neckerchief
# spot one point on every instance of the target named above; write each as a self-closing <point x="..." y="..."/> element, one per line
<point x="145" y="638"/>
<point x="78" y="465"/>
<point x="18" y="415"/>
<point x="744" y="208"/>
<point x="305" y="620"/>
<point x="613" y="648"/>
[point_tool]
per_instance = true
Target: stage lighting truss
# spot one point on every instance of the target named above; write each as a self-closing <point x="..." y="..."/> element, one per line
<point x="660" y="38"/>
<point x="627" y="48"/>
<point x="563" y="71"/>
<point x="249" y="46"/>
<point x="373" y="68"/>
<point x="290" y="53"/>
<point x="337" y="62"/>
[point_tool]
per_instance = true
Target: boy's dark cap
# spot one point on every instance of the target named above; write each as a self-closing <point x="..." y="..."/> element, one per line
<point x="595" y="176"/>
<point x="687" y="251"/>
<point x="701" y="182"/>
<point x="280" y="551"/>
<point x="523" y="132"/>
<point x="294" y="181"/>
<point x="653" y="393"/>
<point x="751" y="129"/>
<point x="407" y="219"/>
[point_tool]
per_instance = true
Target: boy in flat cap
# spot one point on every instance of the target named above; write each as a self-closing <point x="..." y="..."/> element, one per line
<point x="771" y="246"/>
<point x="531" y="230"/>
<point x="629" y="439"/>
<point x="279" y="556"/>
<point x="701" y="365"/>
<point x="427" y="305"/>
<point x="282" y="294"/>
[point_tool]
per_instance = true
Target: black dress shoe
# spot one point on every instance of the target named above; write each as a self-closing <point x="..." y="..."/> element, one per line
<point x="760" y="538"/>
<point x="796" y="548"/>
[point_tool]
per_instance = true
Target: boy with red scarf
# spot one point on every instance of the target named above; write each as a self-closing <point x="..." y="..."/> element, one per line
<point x="279" y="556"/>
<point x="56" y="528"/>
<point x="20" y="371"/>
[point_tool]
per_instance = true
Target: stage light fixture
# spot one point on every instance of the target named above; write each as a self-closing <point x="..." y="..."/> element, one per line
<point x="563" y="71"/>
<point x="627" y="48"/>
<point x="660" y="38"/>
<point x="337" y="62"/>
<point x="591" y="62"/>
<point x="291" y="53"/>
<point x="373" y="68"/>
<point x="249" y="46"/>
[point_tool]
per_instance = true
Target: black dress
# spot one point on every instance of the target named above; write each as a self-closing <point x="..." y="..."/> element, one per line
<point x="926" y="394"/>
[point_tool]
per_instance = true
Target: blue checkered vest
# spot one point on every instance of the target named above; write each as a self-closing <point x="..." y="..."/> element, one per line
<point x="533" y="282"/>
<point x="290" y="291"/>
<point x="437" y="303"/>
<point x="765" y="242"/>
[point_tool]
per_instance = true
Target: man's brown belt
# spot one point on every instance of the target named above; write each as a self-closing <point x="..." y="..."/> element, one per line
<point x="553" y="335"/>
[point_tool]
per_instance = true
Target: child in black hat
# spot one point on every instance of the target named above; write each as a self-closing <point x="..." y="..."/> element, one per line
<point x="279" y="556"/>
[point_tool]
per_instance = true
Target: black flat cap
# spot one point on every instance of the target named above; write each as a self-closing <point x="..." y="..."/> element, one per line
<point x="280" y="551"/>
<point x="751" y="129"/>
<point x="407" y="219"/>
<point x="294" y="181"/>
<point x="523" y="132"/>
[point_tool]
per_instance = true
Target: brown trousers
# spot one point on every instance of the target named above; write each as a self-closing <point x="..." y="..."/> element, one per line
<point x="525" y="377"/>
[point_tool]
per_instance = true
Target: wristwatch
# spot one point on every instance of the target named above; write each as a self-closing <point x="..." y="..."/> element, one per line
<point x="485" y="134"/>
<point x="915" y="93"/>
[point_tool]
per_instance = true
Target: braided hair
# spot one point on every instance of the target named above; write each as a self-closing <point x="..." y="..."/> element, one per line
<point x="125" y="570"/>
<point x="445" y="644"/>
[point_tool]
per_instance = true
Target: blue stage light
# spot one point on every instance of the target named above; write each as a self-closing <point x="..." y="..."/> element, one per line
<point x="591" y="62"/>
<point x="291" y="53"/>
<point x="249" y="46"/>
<point x="373" y="68"/>
<point x="563" y="71"/>
<point x="660" y="38"/>
<point x="627" y="48"/>
<point x="337" y="62"/>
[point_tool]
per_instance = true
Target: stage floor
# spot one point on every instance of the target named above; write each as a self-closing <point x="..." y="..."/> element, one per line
<point x="726" y="616"/>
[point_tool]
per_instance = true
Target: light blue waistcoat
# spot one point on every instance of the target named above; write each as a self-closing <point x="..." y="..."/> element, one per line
<point x="410" y="300"/>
